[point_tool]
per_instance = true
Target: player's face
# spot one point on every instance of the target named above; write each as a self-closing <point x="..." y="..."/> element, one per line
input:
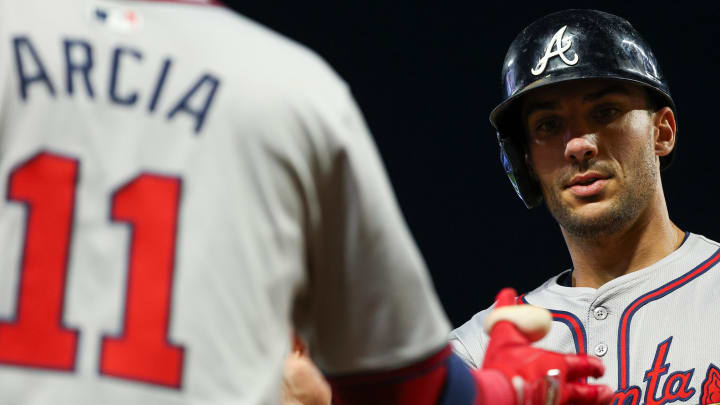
<point x="592" y="148"/>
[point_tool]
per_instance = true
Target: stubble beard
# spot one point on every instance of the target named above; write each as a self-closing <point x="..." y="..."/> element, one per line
<point x="623" y="210"/>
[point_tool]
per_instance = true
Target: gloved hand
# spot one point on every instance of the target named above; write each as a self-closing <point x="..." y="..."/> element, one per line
<point x="539" y="377"/>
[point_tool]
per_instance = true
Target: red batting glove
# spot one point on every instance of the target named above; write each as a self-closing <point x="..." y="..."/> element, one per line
<point x="541" y="377"/>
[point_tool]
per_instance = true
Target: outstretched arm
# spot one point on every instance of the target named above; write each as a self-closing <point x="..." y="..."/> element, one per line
<point x="514" y="372"/>
<point x="537" y="376"/>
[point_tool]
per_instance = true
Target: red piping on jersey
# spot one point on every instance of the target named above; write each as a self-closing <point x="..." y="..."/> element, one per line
<point x="577" y="330"/>
<point x="575" y="327"/>
<point x="624" y="330"/>
<point x="573" y="323"/>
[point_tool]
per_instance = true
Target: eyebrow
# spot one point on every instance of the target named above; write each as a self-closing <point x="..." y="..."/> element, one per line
<point x="534" y="106"/>
<point x="550" y="105"/>
<point x="611" y="89"/>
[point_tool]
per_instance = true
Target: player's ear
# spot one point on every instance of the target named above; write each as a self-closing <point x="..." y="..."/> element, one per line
<point x="665" y="131"/>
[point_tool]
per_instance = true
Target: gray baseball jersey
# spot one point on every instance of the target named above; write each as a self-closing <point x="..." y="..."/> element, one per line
<point x="182" y="188"/>
<point x="657" y="330"/>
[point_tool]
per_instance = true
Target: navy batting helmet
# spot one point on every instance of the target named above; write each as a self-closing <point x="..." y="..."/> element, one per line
<point x="564" y="46"/>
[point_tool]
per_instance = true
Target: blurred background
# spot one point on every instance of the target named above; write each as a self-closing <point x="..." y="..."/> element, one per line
<point x="426" y="76"/>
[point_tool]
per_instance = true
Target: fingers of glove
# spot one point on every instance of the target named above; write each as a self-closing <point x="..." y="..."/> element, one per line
<point x="505" y="297"/>
<point x="586" y="394"/>
<point x="533" y="322"/>
<point x="581" y="365"/>
<point x="505" y="334"/>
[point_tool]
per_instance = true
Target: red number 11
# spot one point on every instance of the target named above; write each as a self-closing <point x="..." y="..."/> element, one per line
<point x="36" y="337"/>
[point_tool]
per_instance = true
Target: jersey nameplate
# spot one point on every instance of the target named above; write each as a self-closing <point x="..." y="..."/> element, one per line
<point x="81" y="75"/>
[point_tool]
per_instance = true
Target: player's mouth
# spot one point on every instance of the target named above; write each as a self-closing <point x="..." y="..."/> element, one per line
<point x="588" y="184"/>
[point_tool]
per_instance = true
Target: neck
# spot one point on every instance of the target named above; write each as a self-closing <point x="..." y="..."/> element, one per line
<point x="651" y="237"/>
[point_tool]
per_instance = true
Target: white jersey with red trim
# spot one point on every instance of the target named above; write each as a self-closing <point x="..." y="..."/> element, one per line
<point x="657" y="330"/>
<point x="182" y="186"/>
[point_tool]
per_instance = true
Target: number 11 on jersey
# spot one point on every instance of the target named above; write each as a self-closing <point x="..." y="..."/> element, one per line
<point x="36" y="336"/>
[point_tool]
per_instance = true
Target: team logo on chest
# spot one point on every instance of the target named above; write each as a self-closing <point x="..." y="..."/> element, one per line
<point x="675" y="387"/>
<point x="557" y="46"/>
<point x="711" y="387"/>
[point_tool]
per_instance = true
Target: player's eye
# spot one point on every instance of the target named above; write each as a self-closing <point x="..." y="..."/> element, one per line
<point x="606" y="113"/>
<point x="547" y="126"/>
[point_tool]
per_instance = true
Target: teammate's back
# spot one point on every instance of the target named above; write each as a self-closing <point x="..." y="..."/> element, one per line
<point x="181" y="185"/>
<point x="183" y="188"/>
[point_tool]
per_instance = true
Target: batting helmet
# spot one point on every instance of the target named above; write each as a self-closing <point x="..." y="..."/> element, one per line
<point x="567" y="45"/>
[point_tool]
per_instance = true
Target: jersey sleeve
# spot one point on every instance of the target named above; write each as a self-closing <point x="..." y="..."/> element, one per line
<point x="369" y="303"/>
<point x="461" y="350"/>
<point x="470" y="341"/>
<point x="442" y="379"/>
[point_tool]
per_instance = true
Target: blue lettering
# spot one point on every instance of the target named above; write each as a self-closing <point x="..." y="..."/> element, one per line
<point x="199" y="114"/>
<point x="114" y="96"/>
<point x="79" y="61"/>
<point x="84" y="66"/>
<point x="26" y="79"/>
<point x="159" y="85"/>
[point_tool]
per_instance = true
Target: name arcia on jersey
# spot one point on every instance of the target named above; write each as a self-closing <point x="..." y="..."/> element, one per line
<point x="78" y="54"/>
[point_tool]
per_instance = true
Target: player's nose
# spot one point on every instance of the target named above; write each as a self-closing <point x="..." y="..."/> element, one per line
<point x="581" y="144"/>
<point x="580" y="149"/>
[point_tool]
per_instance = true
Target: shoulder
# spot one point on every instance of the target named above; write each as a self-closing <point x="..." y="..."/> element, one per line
<point x="259" y="60"/>
<point x="272" y="84"/>
<point x="701" y="240"/>
<point x="272" y="74"/>
<point x="469" y="341"/>
<point x="695" y="250"/>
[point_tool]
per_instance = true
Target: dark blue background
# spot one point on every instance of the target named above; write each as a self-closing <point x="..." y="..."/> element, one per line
<point x="426" y="76"/>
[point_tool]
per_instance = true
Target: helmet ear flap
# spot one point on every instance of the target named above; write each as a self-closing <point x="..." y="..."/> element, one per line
<point x="512" y="157"/>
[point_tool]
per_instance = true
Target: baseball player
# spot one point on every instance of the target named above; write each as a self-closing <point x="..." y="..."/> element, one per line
<point x="586" y="124"/>
<point x="183" y="187"/>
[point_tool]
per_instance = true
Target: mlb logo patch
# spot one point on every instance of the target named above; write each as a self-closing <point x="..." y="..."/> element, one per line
<point x="118" y="19"/>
